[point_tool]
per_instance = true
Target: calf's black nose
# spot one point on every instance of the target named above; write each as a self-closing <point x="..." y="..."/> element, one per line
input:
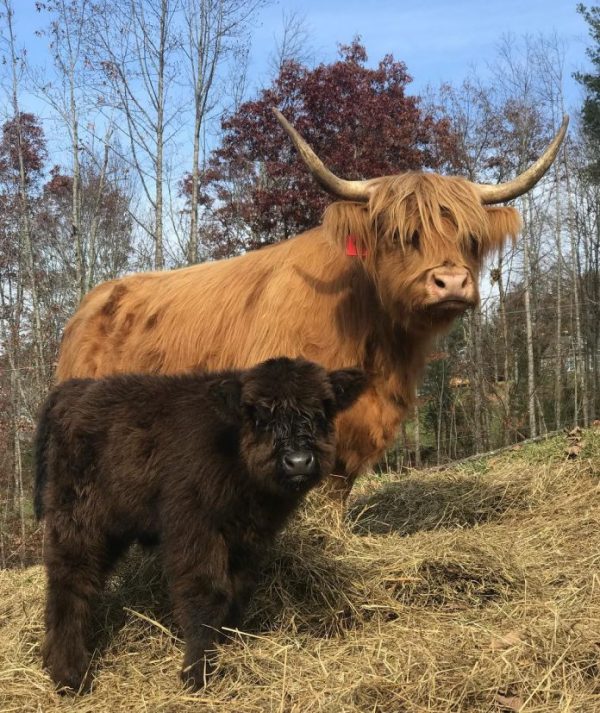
<point x="297" y="463"/>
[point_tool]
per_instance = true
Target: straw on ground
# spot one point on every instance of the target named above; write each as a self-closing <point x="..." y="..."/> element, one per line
<point x="475" y="589"/>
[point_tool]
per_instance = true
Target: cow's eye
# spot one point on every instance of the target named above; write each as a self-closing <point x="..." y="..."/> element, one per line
<point x="474" y="246"/>
<point x="415" y="240"/>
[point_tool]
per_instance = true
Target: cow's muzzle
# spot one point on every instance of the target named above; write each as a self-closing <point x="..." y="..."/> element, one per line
<point x="451" y="288"/>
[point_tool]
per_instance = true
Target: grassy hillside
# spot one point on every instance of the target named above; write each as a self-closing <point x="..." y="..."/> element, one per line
<point x="473" y="589"/>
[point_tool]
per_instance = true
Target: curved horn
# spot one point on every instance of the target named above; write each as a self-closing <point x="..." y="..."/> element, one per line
<point x="349" y="190"/>
<point x="523" y="182"/>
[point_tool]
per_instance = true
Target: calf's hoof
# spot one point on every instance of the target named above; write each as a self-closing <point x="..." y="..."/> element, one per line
<point x="68" y="671"/>
<point x="195" y="675"/>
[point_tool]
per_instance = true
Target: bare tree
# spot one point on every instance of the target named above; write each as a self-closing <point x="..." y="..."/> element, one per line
<point x="66" y="95"/>
<point x="215" y="32"/>
<point x="550" y="58"/>
<point x="16" y="66"/>
<point x="19" y="281"/>
<point x="516" y="76"/>
<point x="531" y="400"/>
<point x="293" y="43"/>
<point x="12" y="307"/>
<point x="134" y="45"/>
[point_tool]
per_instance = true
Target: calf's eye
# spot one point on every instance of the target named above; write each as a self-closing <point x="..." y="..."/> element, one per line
<point x="260" y="417"/>
<point x="322" y="422"/>
<point x="415" y="240"/>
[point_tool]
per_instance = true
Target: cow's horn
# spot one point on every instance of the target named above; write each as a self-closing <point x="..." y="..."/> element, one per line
<point x="349" y="190"/>
<point x="523" y="182"/>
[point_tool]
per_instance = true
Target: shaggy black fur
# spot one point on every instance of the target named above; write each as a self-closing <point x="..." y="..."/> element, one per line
<point x="210" y="465"/>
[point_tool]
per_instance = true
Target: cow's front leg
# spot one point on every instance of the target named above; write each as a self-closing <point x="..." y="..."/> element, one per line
<point x="338" y="485"/>
<point x="202" y="594"/>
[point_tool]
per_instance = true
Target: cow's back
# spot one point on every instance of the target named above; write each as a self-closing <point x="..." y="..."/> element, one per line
<point x="221" y="315"/>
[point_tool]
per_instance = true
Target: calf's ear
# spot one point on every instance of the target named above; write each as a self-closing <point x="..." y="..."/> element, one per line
<point x="226" y="395"/>
<point x="348" y="385"/>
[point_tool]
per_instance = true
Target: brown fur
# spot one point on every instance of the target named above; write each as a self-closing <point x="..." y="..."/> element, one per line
<point x="198" y="462"/>
<point x="306" y="297"/>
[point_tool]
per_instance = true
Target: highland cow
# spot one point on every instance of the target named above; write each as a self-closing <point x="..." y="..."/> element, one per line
<point x="208" y="465"/>
<point x="392" y="265"/>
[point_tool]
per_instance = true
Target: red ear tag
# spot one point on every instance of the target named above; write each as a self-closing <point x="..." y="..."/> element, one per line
<point x="351" y="248"/>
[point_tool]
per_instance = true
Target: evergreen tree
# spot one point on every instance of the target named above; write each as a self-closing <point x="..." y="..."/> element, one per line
<point x="591" y="82"/>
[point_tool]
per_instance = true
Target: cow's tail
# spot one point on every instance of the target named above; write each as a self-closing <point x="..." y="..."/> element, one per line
<point x="42" y="437"/>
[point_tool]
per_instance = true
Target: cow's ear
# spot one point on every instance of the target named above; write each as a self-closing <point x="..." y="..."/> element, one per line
<point x="348" y="385"/>
<point x="226" y="395"/>
<point x="504" y="223"/>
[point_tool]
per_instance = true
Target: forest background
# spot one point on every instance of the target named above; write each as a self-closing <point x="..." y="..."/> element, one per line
<point x="139" y="136"/>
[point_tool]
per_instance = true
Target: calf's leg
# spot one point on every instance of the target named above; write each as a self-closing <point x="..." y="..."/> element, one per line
<point x="244" y="580"/>
<point x="201" y="592"/>
<point x="76" y="570"/>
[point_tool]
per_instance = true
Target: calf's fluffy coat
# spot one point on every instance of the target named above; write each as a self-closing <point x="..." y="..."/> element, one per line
<point x="209" y="465"/>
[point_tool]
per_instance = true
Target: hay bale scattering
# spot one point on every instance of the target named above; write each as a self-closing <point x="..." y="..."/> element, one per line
<point x="472" y="590"/>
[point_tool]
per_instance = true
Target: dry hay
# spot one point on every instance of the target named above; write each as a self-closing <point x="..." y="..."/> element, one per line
<point x="472" y="590"/>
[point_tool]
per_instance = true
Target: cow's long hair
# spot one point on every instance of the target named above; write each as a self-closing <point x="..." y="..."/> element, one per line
<point x="446" y="212"/>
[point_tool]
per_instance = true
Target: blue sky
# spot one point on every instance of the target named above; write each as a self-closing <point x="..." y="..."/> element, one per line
<point x="439" y="40"/>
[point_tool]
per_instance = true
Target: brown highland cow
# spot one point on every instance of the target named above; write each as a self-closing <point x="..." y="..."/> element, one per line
<point x="208" y="465"/>
<point x="395" y="261"/>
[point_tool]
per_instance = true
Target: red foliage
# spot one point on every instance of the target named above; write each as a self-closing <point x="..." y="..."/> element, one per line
<point x="27" y="130"/>
<point x="59" y="186"/>
<point x="359" y="120"/>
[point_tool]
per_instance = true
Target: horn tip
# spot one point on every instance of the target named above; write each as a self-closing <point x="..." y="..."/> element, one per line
<point x="283" y="121"/>
<point x="278" y="115"/>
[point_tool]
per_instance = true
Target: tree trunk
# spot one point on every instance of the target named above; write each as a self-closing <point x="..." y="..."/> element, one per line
<point x="80" y="270"/>
<point x="474" y="323"/>
<point x="506" y="353"/>
<point x="159" y="257"/>
<point x="440" y="418"/>
<point x="94" y="223"/>
<point x="417" y="434"/>
<point x="24" y="217"/>
<point x="580" y="362"/>
<point x="529" y="320"/>
<point x="558" y="370"/>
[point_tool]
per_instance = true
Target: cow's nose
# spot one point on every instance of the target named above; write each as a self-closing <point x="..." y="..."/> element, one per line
<point x="451" y="284"/>
<point x="299" y="463"/>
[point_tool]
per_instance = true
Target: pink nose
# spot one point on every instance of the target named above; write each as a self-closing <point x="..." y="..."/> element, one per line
<point x="446" y="284"/>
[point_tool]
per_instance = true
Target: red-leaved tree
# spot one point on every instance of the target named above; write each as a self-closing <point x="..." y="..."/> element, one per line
<point x="358" y="119"/>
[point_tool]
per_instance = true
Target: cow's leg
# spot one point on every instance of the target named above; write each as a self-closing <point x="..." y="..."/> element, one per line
<point x="338" y="488"/>
<point x="365" y="432"/>
<point x="76" y="570"/>
<point x="339" y="484"/>
<point x="201" y="591"/>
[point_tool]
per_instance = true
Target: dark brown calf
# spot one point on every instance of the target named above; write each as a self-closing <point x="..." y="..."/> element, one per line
<point x="209" y="465"/>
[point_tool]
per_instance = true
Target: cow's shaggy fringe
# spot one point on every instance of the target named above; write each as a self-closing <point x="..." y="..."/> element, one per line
<point x="472" y="590"/>
<point x="445" y="211"/>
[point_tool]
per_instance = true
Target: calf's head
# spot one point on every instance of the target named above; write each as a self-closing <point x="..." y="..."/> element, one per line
<point x="285" y="410"/>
